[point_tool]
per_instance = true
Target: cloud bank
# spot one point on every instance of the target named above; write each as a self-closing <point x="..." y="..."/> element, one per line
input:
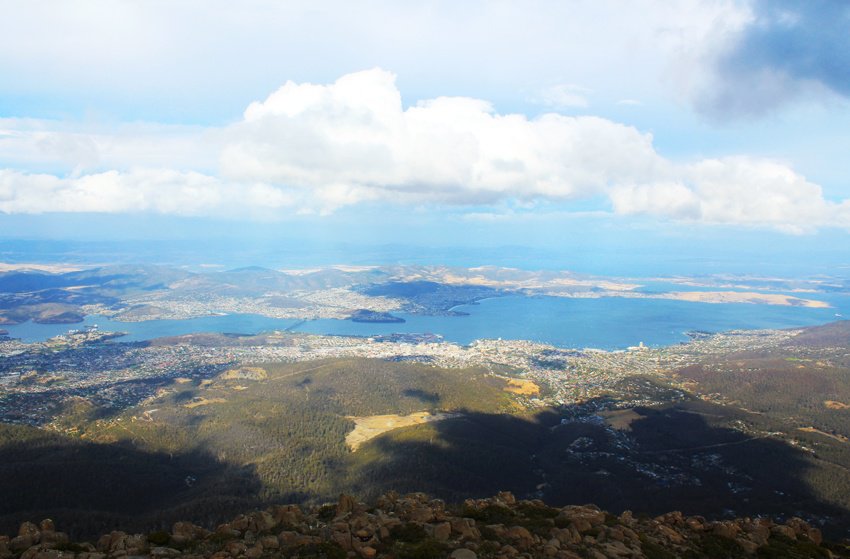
<point x="786" y="50"/>
<point x="160" y="191"/>
<point x="736" y="191"/>
<point x="317" y="148"/>
<point x="354" y="136"/>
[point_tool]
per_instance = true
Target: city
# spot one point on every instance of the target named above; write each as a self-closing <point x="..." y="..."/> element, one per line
<point x="35" y="378"/>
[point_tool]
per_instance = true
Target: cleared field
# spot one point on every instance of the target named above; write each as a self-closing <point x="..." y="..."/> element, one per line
<point x="198" y="402"/>
<point x="621" y="419"/>
<point x="245" y="373"/>
<point x="522" y="387"/>
<point x="833" y="405"/>
<point x="839" y="438"/>
<point x="367" y="428"/>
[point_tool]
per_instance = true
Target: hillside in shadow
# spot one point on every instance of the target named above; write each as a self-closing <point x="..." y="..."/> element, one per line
<point x="205" y="450"/>
<point x="678" y="457"/>
<point x="90" y="488"/>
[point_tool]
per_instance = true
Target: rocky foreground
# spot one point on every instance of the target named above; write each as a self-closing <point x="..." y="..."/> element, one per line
<point x="416" y="527"/>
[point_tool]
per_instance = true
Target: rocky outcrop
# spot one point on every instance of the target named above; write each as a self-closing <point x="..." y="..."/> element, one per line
<point x="417" y="526"/>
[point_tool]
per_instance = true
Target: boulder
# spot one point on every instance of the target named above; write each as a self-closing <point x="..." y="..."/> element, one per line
<point x="669" y="534"/>
<point x="164" y="552"/>
<point x="802" y="528"/>
<point x="509" y="551"/>
<point x="241" y="523"/>
<point x="465" y="528"/>
<point x="442" y="531"/>
<point x="236" y="548"/>
<point x="52" y="539"/>
<point x="342" y="539"/>
<point x="270" y="542"/>
<point x="288" y="515"/>
<point x="582" y="518"/>
<point x="21" y="543"/>
<point x="254" y="552"/>
<point x="420" y="513"/>
<point x="29" y="529"/>
<point x="674" y="518"/>
<point x="617" y="549"/>
<point x="783" y="530"/>
<point x="262" y="521"/>
<point x="749" y="546"/>
<point x="520" y="537"/>
<point x="463" y="553"/>
<point x="227" y="531"/>
<point x="727" y="530"/>
<point x="755" y="532"/>
<point x="695" y="523"/>
<point x="345" y="504"/>
<point x="506" y="498"/>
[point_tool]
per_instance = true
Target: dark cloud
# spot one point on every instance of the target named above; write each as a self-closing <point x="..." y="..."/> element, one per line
<point x="790" y="49"/>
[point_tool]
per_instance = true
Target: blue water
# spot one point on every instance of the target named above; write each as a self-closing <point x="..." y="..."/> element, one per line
<point x="605" y="323"/>
<point x="140" y="331"/>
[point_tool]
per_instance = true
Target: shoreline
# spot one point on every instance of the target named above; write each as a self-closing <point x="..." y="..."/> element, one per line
<point x="686" y="337"/>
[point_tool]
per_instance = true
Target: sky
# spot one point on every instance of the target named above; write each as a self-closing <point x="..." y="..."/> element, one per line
<point x="697" y="128"/>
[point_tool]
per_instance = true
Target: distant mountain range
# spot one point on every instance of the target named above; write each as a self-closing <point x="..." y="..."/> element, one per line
<point x="134" y="293"/>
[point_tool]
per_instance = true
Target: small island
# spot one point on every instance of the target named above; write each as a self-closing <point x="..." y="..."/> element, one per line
<point x="365" y="315"/>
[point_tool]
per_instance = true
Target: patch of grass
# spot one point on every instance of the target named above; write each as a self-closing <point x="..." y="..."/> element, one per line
<point x="529" y="510"/>
<point x="611" y="520"/>
<point x="653" y="550"/>
<point x="780" y="547"/>
<point x="714" y="546"/>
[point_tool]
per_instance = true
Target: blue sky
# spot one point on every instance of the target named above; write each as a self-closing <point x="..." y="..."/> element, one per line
<point x="721" y="125"/>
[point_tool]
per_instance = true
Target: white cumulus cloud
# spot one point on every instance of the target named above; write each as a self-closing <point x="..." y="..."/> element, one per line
<point x="738" y="191"/>
<point x="318" y="147"/>
<point x="356" y="135"/>
<point x="141" y="190"/>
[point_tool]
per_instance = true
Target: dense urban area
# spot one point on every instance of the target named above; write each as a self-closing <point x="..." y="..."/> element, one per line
<point x="93" y="364"/>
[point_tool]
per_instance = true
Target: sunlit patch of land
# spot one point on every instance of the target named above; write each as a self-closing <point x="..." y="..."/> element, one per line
<point x="840" y="438"/>
<point x="245" y="373"/>
<point x="201" y="401"/>
<point x="833" y="405"/>
<point x="522" y="387"/>
<point x="621" y="419"/>
<point x="743" y="297"/>
<point x="699" y="297"/>
<point x="367" y="428"/>
<point x="27" y="266"/>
